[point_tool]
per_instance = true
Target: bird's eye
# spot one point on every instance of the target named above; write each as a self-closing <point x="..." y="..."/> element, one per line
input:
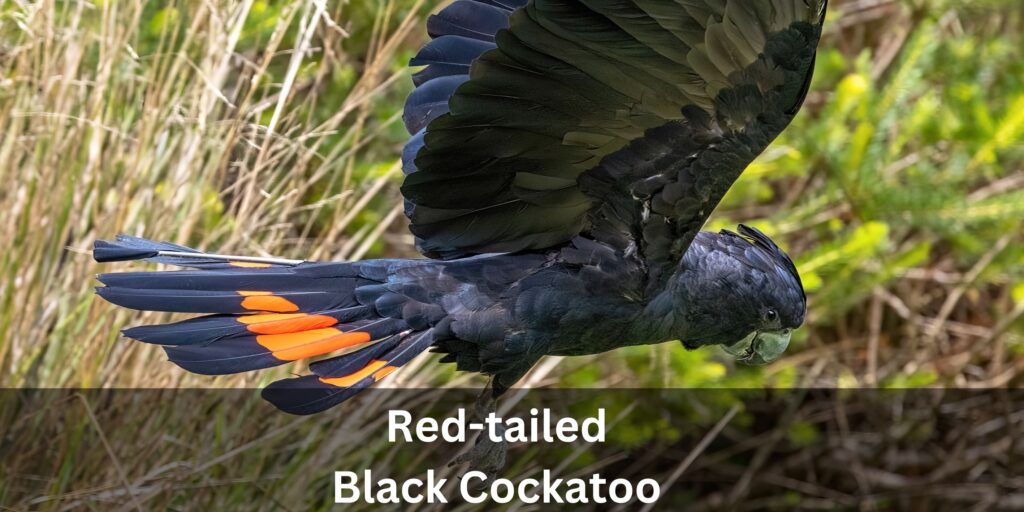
<point x="771" y="315"/>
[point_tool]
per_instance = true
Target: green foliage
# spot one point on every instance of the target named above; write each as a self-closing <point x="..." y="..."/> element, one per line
<point x="910" y="380"/>
<point x="802" y="433"/>
<point x="898" y="166"/>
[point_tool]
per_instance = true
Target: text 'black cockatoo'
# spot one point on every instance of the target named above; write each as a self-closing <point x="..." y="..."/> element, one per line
<point x="564" y="156"/>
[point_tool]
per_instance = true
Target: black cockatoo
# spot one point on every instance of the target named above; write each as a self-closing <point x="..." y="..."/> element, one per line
<point x="564" y="156"/>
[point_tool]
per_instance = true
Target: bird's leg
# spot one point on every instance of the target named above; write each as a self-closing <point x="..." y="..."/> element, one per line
<point x="486" y="455"/>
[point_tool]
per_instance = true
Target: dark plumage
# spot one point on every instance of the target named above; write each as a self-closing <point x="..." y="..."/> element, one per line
<point x="563" y="158"/>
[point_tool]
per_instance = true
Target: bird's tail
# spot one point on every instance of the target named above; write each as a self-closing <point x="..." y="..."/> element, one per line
<point x="265" y="312"/>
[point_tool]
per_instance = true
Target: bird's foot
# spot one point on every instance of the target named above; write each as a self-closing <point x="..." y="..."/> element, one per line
<point x="487" y="455"/>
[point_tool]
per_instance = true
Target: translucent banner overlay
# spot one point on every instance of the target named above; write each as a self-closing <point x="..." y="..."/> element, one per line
<point x="709" y="449"/>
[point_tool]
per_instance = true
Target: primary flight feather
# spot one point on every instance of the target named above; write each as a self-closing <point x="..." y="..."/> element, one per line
<point x="564" y="155"/>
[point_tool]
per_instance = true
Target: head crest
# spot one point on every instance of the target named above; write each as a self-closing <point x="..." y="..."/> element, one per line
<point x="759" y="239"/>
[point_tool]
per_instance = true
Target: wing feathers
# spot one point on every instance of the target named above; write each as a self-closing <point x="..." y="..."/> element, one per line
<point x="572" y="83"/>
<point x="428" y="102"/>
<point x="468" y="18"/>
<point x="447" y="55"/>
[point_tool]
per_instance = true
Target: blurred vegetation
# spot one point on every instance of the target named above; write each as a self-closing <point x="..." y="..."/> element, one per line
<point x="274" y="128"/>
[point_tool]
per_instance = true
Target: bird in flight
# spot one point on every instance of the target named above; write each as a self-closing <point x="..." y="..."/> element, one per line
<point x="564" y="155"/>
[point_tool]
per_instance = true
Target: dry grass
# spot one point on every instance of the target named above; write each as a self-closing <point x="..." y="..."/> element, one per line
<point x="198" y="142"/>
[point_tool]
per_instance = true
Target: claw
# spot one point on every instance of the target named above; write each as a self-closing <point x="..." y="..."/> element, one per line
<point x="486" y="456"/>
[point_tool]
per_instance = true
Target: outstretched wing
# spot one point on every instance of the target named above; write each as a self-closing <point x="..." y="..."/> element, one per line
<point x="623" y="120"/>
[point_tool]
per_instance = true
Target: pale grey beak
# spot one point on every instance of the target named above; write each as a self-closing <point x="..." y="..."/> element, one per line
<point x="760" y="347"/>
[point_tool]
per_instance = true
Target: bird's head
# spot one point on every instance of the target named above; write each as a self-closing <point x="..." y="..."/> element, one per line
<point x="744" y="294"/>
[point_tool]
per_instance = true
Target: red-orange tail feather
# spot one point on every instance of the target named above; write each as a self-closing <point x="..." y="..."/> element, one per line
<point x="264" y="315"/>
